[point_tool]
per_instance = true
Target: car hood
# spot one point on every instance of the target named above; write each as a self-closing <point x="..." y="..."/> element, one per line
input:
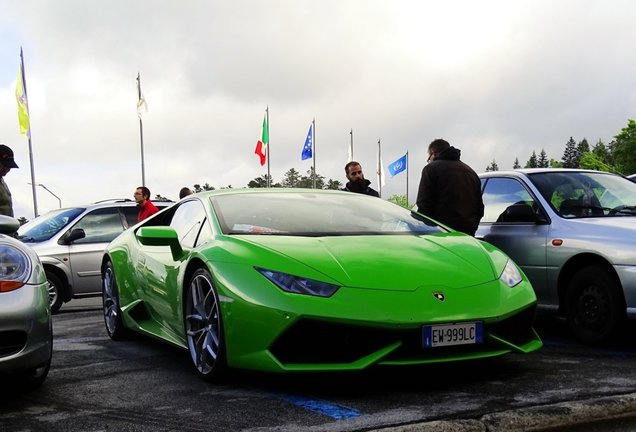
<point x="618" y="223"/>
<point x="380" y="261"/>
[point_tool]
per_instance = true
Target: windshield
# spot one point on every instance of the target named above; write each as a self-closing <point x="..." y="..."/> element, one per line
<point x="46" y="226"/>
<point x="587" y="194"/>
<point x="316" y="214"/>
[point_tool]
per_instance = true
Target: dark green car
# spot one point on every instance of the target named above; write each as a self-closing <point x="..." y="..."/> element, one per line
<point x="301" y="280"/>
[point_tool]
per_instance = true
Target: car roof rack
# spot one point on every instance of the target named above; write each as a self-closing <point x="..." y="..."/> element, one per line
<point x="113" y="200"/>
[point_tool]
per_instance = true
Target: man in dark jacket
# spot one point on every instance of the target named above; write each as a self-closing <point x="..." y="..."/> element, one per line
<point x="6" y="164"/>
<point x="450" y="191"/>
<point x="357" y="183"/>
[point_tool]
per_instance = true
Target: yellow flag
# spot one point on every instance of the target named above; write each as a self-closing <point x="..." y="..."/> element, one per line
<point x="23" y="105"/>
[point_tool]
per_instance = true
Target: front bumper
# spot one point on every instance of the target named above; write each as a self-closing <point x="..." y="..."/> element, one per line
<point x="25" y="328"/>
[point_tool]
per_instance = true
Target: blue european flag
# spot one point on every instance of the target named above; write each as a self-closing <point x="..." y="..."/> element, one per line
<point x="398" y="166"/>
<point x="309" y="142"/>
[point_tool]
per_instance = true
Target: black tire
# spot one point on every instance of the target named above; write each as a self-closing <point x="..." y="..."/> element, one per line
<point x="56" y="291"/>
<point x="110" y="301"/>
<point x="204" y="327"/>
<point x="595" y="306"/>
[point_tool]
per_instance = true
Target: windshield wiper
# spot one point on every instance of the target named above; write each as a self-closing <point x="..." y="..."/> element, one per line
<point x="623" y="209"/>
<point x="26" y="239"/>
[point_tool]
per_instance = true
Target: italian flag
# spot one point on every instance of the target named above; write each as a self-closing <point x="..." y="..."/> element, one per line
<point x="261" y="144"/>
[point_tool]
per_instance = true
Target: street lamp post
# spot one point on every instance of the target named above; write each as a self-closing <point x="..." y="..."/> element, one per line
<point x="49" y="191"/>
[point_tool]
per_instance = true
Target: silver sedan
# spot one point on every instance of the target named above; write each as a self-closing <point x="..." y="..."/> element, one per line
<point x="573" y="232"/>
<point x="26" y="333"/>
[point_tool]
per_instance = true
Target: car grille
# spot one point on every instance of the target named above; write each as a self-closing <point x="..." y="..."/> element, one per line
<point x="316" y="341"/>
<point x="12" y="342"/>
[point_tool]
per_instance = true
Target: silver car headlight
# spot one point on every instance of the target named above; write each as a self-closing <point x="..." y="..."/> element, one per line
<point x="15" y="268"/>
<point x="299" y="285"/>
<point x="511" y="275"/>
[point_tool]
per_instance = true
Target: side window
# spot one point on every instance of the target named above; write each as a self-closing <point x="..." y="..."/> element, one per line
<point x="507" y="200"/>
<point x="100" y="226"/>
<point x="131" y="215"/>
<point x="187" y="221"/>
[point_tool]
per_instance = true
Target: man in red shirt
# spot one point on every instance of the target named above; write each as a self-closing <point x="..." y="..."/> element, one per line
<point x="146" y="207"/>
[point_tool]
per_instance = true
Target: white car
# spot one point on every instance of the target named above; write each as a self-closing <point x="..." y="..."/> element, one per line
<point x="26" y="332"/>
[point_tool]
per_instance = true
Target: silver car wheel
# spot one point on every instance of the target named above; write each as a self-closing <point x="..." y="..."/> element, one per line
<point x="53" y="292"/>
<point x="110" y="300"/>
<point x="203" y="324"/>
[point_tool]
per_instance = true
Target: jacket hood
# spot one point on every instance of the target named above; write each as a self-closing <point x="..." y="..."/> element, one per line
<point x="358" y="187"/>
<point x="450" y="153"/>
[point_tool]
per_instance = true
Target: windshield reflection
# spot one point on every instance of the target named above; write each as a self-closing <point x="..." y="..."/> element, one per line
<point x="46" y="226"/>
<point x="587" y="194"/>
<point x="316" y="214"/>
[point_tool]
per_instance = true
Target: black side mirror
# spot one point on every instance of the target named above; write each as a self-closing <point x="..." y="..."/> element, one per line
<point x="75" y="234"/>
<point x="521" y="212"/>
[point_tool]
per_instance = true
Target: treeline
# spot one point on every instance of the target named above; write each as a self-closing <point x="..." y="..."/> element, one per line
<point x="617" y="156"/>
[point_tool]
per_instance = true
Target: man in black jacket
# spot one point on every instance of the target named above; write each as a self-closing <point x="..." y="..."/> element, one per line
<point x="6" y="164"/>
<point x="357" y="183"/>
<point x="450" y="191"/>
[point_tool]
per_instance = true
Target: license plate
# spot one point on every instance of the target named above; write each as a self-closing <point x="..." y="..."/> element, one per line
<point x="453" y="334"/>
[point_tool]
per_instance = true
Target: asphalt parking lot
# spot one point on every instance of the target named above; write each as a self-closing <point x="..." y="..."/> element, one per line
<point x="96" y="384"/>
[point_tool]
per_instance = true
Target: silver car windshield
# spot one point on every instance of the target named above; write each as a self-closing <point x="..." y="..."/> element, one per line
<point x="46" y="226"/>
<point x="587" y="194"/>
<point x="314" y="214"/>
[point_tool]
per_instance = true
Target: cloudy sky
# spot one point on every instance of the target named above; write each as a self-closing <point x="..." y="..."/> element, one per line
<point x="498" y="79"/>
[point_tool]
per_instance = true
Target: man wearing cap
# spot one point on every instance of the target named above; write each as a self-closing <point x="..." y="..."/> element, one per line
<point x="6" y="163"/>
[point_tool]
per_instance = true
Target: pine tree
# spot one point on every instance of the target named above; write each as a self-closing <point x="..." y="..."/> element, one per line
<point x="334" y="184"/>
<point x="516" y="164"/>
<point x="259" y="182"/>
<point x="543" y="161"/>
<point x="532" y="162"/>
<point x="205" y="187"/>
<point x="571" y="155"/>
<point x="583" y="147"/>
<point x="291" y="178"/>
<point x="307" y="181"/>
<point x="602" y="152"/>
<point x="493" y="166"/>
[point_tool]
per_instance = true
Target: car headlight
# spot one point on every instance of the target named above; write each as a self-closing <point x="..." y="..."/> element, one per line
<point x="15" y="268"/>
<point x="299" y="285"/>
<point x="511" y="275"/>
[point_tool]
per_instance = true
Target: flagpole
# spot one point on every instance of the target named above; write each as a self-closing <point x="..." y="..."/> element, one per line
<point x="351" y="146"/>
<point x="141" y="131"/>
<point x="407" y="177"/>
<point x="379" y="168"/>
<point x="313" y="143"/>
<point x="269" y="177"/>
<point x="26" y="98"/>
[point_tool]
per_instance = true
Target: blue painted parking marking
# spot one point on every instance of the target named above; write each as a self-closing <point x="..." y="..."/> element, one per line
<point x="321" y="407"/>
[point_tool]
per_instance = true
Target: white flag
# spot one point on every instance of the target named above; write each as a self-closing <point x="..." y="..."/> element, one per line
<point x="142" y="107"/>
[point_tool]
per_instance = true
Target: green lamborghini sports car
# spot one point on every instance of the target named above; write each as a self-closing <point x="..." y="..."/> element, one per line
<point x="285" y="280"/>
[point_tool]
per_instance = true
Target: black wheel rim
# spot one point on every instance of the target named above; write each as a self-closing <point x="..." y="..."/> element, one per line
<point x="592" y="309"/>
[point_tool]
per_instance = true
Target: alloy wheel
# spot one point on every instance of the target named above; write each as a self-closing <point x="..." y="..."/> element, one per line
<point x="203" y="324"/>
